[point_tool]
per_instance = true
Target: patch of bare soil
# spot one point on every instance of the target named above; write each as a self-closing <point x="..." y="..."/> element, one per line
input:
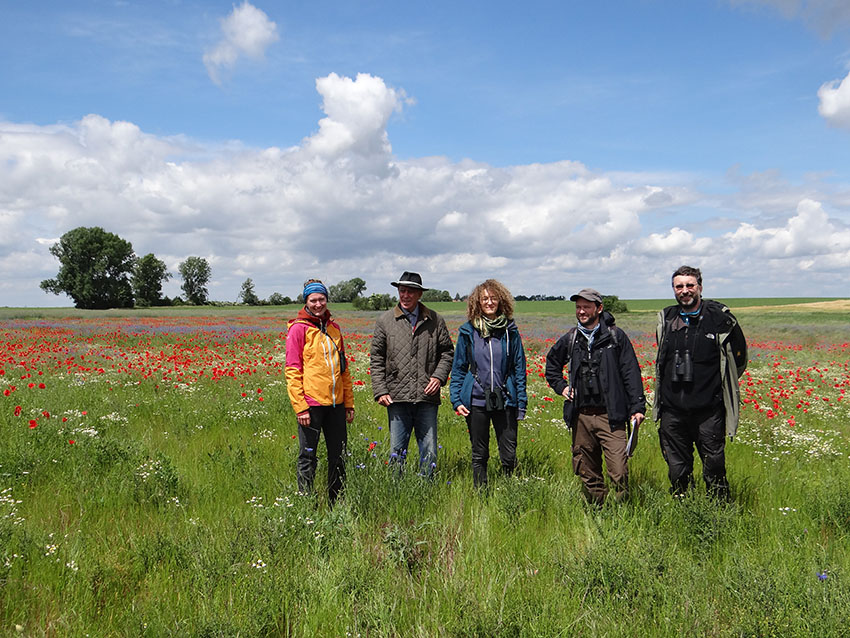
<point x="838" y="305"/>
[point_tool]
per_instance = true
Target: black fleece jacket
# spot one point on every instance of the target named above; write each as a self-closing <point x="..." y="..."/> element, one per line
<point x="619" y="372"/>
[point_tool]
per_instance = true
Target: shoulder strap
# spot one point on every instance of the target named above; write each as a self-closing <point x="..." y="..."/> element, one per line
<point x="571" y="343"/>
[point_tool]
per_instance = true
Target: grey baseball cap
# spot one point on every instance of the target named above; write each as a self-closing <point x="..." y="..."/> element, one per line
<point x="587" y="293"/>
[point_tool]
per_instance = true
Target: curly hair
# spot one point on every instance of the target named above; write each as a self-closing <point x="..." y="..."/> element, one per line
<point x="496" y="289"/>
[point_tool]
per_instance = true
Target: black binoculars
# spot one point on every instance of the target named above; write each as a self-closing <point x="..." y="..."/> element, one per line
<point x="590" y="380"/>
<point x="683" y="367"/>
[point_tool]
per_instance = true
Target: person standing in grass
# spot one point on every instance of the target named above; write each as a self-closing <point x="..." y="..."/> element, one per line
<point x="603" y="396"/>
<point x="702" y="353"/>
<point x="488" y="377"/>
<point x="411" y="358"/>
<point x="319" y="386"/>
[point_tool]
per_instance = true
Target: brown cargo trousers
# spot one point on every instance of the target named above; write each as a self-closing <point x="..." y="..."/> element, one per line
<point x="592" y="435"/>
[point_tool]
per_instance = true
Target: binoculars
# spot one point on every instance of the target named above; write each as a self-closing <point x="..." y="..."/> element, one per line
<point x="683" y="367"/>
<point x="590" y="380"/>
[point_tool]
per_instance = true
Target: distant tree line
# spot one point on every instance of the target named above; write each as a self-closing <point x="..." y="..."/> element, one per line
<point x="99" y="270"/>
<point x="539" y="298"/>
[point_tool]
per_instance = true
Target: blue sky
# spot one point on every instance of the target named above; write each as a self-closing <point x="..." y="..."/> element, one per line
<point x="551" y="145"/>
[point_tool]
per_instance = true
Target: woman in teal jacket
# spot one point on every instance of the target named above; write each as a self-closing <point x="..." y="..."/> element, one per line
<point x="488" y="376"/>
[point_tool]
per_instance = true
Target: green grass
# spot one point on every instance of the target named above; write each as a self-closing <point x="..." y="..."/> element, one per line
<point x="543" y="308"/>
<point x="180" y="517"/>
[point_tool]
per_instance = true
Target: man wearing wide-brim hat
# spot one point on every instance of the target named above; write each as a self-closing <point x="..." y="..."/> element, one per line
<point x="411" y="359"/>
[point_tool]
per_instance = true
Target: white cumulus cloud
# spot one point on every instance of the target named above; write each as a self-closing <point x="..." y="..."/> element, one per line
<point x="834" y="105"/>
<point x="340" y="205"/>
<point x="246" y="31"/>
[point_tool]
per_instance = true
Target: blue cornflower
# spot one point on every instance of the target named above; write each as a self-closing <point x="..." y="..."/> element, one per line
<point x="822" y="576"/>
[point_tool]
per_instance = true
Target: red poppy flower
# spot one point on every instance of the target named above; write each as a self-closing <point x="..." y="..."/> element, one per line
<point x="17" y="410"/>
<point x="33" y="423"/>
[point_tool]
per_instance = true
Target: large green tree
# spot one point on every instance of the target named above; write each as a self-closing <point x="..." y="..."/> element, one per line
<point x="148" y="276"/>
<point x="436" y="295"/>
<point x="95" y="269"/>
<point x="277" y="299"/>
<point x="247" y="294"/>
<point x="347" y="290"/>
<point x="196" y="273"/>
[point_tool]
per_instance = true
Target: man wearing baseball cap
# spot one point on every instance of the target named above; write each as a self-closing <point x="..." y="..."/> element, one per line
<point x="411" y="359"/>
<point x="603" y="395"/>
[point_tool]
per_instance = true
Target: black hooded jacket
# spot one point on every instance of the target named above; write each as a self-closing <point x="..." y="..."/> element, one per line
<point x="619" y="372"/>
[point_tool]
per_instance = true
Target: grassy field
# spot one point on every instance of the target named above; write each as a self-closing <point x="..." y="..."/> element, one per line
<point x="544" y="308"/>
<point x="147" y="488"/>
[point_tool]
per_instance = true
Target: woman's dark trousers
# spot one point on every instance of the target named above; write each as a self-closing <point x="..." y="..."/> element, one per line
<point x="505" y="426"/>
<point x="331" y="421"/>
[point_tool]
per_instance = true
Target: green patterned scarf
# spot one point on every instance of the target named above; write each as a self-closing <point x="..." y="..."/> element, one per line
<point x="486" y="327"/>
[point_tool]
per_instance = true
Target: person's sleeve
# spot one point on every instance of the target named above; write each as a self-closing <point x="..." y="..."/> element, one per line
<point x="556" y="358"/>
<point x="378" y="361"/>
<point x="445" y="353"/>
<point x="347" y="389"/>
<point x="630" y="374"/>
<point x="294" y="368"/>
<point x="739" y="349"/>
<point x="460" y="367"/>
<point x="520" y="373"/>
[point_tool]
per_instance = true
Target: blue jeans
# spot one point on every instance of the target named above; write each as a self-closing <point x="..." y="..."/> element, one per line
<point x="421" y="418"/>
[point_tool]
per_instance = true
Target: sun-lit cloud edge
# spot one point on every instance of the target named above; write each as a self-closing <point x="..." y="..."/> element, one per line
<point x="341" y="205"/>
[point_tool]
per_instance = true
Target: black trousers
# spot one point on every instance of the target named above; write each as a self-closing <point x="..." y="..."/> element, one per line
<point x="705" y="429"/>
<point x="331" y="421"/>
<point x="505" y="426"/>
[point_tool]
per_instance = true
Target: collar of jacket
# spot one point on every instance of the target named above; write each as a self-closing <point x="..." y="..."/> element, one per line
<point x="606" y="324"/>
<point x="303" y="315"/>
<point x="424" y="313"/>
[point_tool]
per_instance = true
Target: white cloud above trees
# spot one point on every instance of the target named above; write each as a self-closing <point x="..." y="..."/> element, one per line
<point x="341" y="205"/>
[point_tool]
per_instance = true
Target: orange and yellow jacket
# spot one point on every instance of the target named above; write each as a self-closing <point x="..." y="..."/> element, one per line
<point x="316" y="370"/>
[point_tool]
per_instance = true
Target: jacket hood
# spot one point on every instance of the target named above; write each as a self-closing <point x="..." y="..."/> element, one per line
<point x="304" y="315"/>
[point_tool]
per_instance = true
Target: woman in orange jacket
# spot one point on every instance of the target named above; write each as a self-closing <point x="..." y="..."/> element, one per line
<point x="319" y="387"/>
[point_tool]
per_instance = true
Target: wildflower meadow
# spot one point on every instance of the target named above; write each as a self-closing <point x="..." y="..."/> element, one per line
<point x="147" y="488"/>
